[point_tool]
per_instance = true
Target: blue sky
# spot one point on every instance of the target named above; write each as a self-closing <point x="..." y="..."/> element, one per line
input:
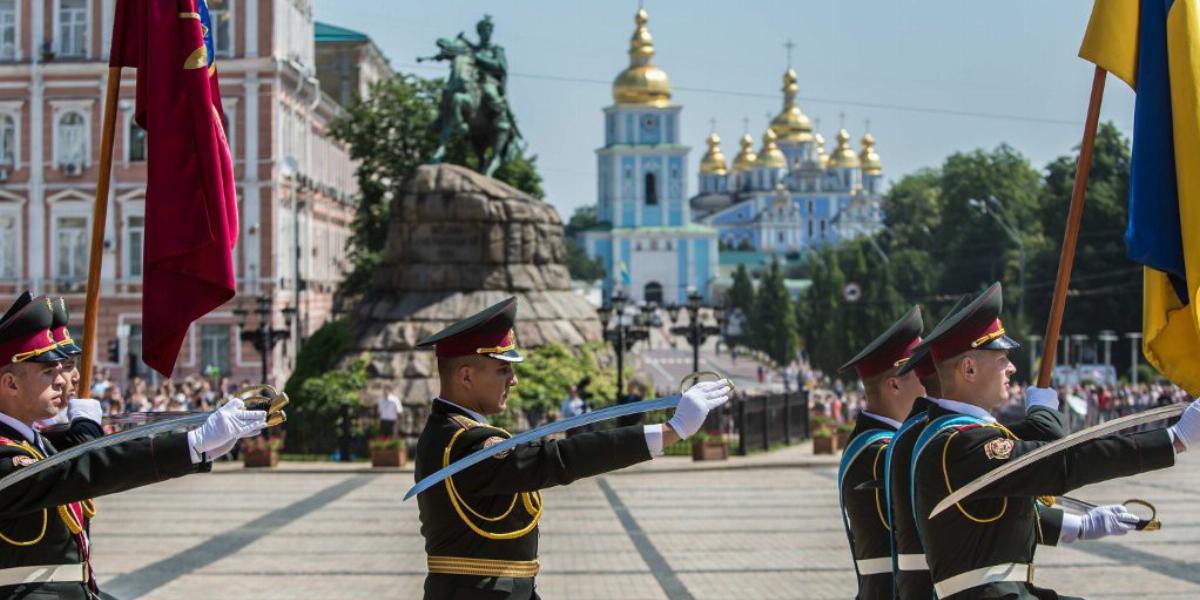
<point x="914" y="69"/>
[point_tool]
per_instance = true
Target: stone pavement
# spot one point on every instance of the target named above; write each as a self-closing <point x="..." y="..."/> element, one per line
<point x="765" y="528"/>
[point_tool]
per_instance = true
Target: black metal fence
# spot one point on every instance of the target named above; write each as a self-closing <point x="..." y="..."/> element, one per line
<point x="766" y="420"/>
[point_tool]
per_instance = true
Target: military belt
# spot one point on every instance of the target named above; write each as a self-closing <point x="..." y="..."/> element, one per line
<point x="912" y="562"/>
<point x="44" y="574"/>
<point x="978" y="577"/>
<point x="874" y="566"/>
<point x="483" y="567"/>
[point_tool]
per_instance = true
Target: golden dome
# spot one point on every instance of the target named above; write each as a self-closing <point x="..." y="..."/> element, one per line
<point x="713" y="162"/>
<point x="642" y="83"/>
<point x="770" y="155"/>
<point x="745" y="159"/>
<point x="790" y="124"/>
<point x="870" y="159"/>
<point x="843" y="156"/>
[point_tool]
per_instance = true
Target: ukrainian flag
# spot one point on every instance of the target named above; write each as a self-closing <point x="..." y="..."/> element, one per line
<point x="1154" y="46"/>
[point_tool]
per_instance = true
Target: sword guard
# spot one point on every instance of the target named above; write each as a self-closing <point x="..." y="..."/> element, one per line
<point x="1151" y="524"/>
<point x="693" y="378"/>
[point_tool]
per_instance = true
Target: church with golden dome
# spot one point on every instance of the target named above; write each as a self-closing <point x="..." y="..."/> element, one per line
<point x="649" y="244"/>
<point x="790" y="195"/>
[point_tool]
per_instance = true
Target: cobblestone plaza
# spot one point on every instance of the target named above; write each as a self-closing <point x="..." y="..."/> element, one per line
<point x="763" y="527"/>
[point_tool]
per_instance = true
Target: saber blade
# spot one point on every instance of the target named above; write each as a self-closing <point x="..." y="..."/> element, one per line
<point x="536" y="433"/>
<point x="1147" y="416"/>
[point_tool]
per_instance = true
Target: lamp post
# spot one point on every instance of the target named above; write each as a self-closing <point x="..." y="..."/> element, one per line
<point x="263" y="336"/>
<point x="1134" y="339"/>
<point x="626" y="331"/>
<point x="695" y="332"/>
<point x="992" y="207"/>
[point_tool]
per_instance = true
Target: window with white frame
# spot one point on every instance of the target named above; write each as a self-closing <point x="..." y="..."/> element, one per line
<point x="135" y="142"/>
<point x="8" y="140"/>
<point x="8" y="30"/>
<point x="72" y="28"/>
<point x="71" y="248"/>
<point x="135" y="235"/>
<point x="214" y="347"/>
<point x="220" y="19"/>
<point x="71" y="145"/>
<point x="10" y="233"/>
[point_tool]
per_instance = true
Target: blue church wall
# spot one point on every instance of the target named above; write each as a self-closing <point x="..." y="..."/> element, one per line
<point x="675" y="191"/>
<point x="670" y="127"/>
<point x="649" y="129"/>
<point x="629" y="129"/>
<point x="652" y="213"/>
<point x="628" y="192"/>
<point x="610" y="129"/>
<point x="625" y="257"/>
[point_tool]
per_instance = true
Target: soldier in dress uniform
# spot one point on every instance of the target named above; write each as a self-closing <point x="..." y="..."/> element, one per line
<point x="889" y="399"/>
<point x="910" y="570"/>
<point x="44" y="545"/>
<point x="984" y="547"/>
<point x="480" y="526"/>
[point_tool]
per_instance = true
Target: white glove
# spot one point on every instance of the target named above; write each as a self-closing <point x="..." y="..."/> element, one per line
<point x="1187" y="430"/>
<point x="224" y="428"/>
<point x="1099" y="522"/>
<point x="695" y="404"/>
<point x="85" y="408"/>
<point x="1036" y="396"/>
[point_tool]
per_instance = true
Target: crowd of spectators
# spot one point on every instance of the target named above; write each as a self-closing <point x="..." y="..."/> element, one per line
<point x="193" y="392"/>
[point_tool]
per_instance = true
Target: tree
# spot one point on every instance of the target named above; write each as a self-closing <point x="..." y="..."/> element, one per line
<point x="390" y="133"/>
<point x="579" y="264"/>
<point x="774" y="323"/>
<point x="741" y="299"/>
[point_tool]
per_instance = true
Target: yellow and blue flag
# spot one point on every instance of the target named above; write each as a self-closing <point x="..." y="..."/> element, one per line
<point x="1154" y="46"/>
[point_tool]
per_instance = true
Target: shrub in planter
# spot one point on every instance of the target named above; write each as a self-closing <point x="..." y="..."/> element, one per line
<point x="823" y="441"/>
<point x="388" y="452"/>
<point x="261" y="451"/>
<point x="709" y="446"/>
<point x="843" y="433"/>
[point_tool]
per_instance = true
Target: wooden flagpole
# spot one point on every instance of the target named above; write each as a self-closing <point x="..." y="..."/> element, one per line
<point x="1066" y="258"/>
<point x="99" y="217"/>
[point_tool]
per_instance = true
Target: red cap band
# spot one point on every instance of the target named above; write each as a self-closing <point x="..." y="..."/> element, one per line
<point x="495" y="341"/>
<point x="874" y="365"/>
<point x="964" y="340"/>
<point x="23" y="348"/>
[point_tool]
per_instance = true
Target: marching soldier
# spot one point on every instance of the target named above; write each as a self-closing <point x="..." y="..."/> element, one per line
<point x="910" y="570"/>
<point x="480" y="526"/>
<point x="984" y="547"/>
<point x="889" y="398"/>
<point x="44" y="545"/>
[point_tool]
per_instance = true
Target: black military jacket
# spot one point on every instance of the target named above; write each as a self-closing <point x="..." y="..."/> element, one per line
<point x="24" y="506"/>
<point x="1040" y="424"/>
<point x="497" y="485"/>
<point x="866" y="510"/>
<point x="1003" y="524"/>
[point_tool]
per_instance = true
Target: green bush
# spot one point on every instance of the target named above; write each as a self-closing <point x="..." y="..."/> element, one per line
<point x="543" y="378"/>
<point x="315" y="411"/>
<point x="822" y="433"/>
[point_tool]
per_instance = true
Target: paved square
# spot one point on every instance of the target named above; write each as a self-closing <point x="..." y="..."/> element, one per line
<point x="682" y="533"/>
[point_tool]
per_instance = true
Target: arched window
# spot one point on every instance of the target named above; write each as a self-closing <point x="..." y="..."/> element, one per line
<point x="653" y="293"/>
<point x="71" y="144"/>
<point x="136" y="138"/>
<point x="8" y="140"/>
<point x="651" y="189"/>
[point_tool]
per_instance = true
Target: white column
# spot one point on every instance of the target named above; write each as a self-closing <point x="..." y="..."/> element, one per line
<point x="37" y="159"/>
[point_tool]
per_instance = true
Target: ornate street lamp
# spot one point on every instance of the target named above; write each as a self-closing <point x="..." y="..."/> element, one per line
<point x="696" y="332"/>
<point x="263" y="336"/>
<point x="625" y="331"/>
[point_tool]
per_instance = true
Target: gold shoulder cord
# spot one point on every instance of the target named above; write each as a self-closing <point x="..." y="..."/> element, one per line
<point x="950" y="488"/>
<point x="875" y="475"/>
<point x="531" y="502"/>
<point x="74" y="526"/>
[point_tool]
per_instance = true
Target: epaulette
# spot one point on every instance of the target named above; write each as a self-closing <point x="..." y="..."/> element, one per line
<point x="465" y="422"/>
<point x="967" y="427"/>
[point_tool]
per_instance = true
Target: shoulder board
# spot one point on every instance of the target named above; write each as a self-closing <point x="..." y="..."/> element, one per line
<point x="968" y="427"/>
<point x="465" y="422"/>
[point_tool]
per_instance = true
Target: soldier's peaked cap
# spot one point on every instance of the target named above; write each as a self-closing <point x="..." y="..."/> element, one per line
<point x="891" y="349"/>
<point x="62" y="318"/>
<point x="921" y="359"/>
<point x="975" y="326"/>
<point x="25" y="334"/>
<point x="488" y="332"/>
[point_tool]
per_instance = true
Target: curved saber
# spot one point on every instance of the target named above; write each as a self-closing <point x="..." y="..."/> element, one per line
<point x="24" y="473"/>
<point x="478" y="456"/>
<point x="1079" y="437"/>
